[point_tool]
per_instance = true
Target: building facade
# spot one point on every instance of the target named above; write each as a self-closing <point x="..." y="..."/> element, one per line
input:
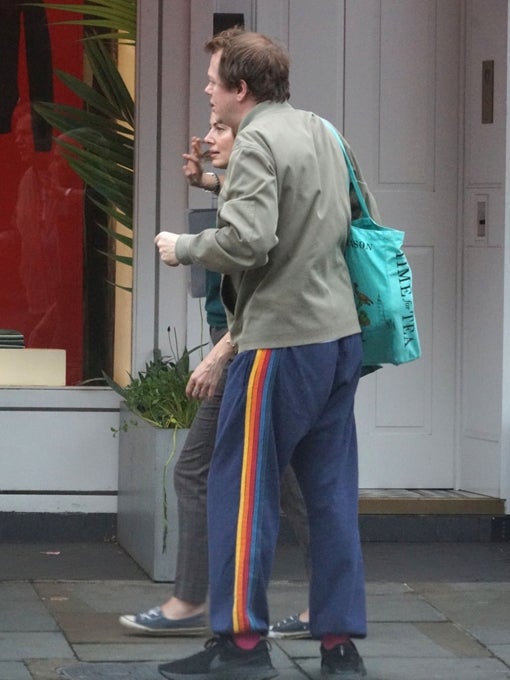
<point x="420" y="91"/>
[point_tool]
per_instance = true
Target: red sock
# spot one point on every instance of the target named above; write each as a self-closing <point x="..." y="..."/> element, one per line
<point x="246" y="640"/>
<point x="330" y="641"/>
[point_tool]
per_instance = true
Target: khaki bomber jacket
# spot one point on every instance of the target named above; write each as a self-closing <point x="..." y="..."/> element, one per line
<point x="283" y="219"/>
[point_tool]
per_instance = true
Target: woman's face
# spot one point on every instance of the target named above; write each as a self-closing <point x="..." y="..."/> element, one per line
<point x="220" y="140"/>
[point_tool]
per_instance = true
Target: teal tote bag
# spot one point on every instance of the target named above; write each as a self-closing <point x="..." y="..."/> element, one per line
<point x="382" y="284"/>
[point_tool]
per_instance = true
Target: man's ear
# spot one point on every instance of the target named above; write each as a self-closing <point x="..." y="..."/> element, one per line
<point x="242" y="91"/>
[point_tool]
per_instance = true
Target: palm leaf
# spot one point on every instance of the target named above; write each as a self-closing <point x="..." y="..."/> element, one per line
<point x="117" y="16"/>
<point x="95" y="99"/>
<point x="107" y="144"/>
<point x="121" y="259"/>
<point x="65" y="118"/>
<point x="103" y="130"/>
<point x="111" y="211"/>
<point x="110" y="82"/>
<point x="97" y="178"/>
<point x="122" y="238"/>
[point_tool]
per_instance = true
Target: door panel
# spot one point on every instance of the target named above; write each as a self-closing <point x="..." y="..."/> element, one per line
<point x="401" y="117"/>
<point x="386" y="72"/>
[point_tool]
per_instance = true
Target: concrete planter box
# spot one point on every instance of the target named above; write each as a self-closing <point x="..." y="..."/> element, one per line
<point x="144" y="473"/>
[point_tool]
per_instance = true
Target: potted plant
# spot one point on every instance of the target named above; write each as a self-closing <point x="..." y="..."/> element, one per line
<point x="155" y="417"/>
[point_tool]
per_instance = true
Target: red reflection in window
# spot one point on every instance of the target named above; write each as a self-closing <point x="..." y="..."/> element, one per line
<point x="41" y="199"/>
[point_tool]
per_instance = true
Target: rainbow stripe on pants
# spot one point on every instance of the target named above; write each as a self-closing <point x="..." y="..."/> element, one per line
<point x="258" y="394"/>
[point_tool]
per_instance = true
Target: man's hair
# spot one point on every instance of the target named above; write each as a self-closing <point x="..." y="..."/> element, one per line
<point x="219" y="41"/>
<point x="254" y="58"/>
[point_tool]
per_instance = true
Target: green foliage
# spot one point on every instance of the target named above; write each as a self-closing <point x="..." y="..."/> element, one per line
<point x="116" y="18"/>
<point x="97" y="139"/>
<point x="158" y="393"/>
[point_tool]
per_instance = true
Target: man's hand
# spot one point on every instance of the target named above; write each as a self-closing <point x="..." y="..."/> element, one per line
<point x="165" y="242"/>
<point x="204" y="379"/>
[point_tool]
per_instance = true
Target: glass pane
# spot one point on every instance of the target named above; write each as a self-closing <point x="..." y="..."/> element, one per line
<point x="41" y="199"/>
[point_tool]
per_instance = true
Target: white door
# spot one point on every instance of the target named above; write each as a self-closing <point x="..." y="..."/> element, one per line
<point x="401" y="116"/>
<point x="387" y="73"/>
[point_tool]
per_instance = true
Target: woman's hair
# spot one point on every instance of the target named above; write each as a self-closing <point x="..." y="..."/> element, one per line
<point x="254" y="58"/>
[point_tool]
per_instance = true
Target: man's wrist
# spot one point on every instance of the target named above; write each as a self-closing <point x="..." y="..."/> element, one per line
<point x="182" y="248"/>
<point x="233" y="346"/>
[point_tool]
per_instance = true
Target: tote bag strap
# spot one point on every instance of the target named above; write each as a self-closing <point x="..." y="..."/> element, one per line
<point x="352" y="174"/>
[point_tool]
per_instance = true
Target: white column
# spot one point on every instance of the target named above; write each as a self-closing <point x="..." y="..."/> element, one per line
<point x="159" y="292"/>
<point x="505" y="425"/>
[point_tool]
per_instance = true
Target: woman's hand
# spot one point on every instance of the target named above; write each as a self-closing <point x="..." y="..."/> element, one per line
<point x="193" y="169"/>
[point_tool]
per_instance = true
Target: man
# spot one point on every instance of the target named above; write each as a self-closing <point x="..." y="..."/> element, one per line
<point x="183" y="613"/>
<point x="283" y="219"/>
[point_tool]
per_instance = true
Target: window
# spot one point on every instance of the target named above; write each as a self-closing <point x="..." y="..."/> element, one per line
<point x="54" y="280"/>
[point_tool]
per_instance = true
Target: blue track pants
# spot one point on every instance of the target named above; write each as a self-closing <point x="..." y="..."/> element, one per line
<point x="295" y="402"/>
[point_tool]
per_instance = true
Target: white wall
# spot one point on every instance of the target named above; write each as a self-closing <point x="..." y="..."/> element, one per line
<point x="480" y="441"/>
<point x="57" y="449"/>
<point x="505" y="434"/>
<point x="60" y="440"/>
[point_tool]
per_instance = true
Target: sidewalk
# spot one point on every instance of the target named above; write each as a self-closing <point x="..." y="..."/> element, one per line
<point x="436" y="611"/>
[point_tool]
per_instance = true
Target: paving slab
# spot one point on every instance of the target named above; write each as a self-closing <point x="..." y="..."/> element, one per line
<point x="419" y="629"/>
<point x="22" y="610"/>
<point x="406" y="607"/>
<point x="387" y="588"/>
<point x="48" y="669"/>
<point x="88" y="612"/>
<point x="482" y="610"/>
<point x="425" y="669"/>
<point x="20" y="646"/>
<point x="13" y="670"/>
<point x="392" y="562"/>
<point x="54" y="561"/>
<point x="378" y="669"/>
<point x="110" y="671"/>
<point x="142" y="671"/>
<point x="285" y="598"/>
<point x="437" y="562"/>
<point x="143" y="650"/>
<point x="497" y="633"/>
<point x="94" y="627"/>
<point x="400" y="640"/>
<point x="102" y="596"/>
<point x="461" y="587"/>
<point x="502" y="652"/>
<point x="287" y="667"/>
<point x="453" y="638"/>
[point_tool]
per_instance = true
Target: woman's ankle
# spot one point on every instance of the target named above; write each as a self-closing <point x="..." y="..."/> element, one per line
<point x="175" y="608"/>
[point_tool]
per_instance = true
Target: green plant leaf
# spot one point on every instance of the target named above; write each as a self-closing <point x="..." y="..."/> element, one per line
<point x="122" y="238"/>
<point x="114" y="385"/>
<point x="158" y="393"/>
<point x="103" y="128"/>
<point x="122" y="259"/>
<point x="117" y="15"/>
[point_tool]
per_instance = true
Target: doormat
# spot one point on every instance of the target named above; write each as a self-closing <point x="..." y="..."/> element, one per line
<point x="111" y="671"/>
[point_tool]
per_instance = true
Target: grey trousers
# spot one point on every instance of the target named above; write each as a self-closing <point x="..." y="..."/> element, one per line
<point x="190" y="481"/>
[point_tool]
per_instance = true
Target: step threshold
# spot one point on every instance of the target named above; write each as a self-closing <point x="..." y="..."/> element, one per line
<point x="427" y="502"/>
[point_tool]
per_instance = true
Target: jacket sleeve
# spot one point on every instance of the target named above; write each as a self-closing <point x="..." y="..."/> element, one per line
<point x="247" y="217"/>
